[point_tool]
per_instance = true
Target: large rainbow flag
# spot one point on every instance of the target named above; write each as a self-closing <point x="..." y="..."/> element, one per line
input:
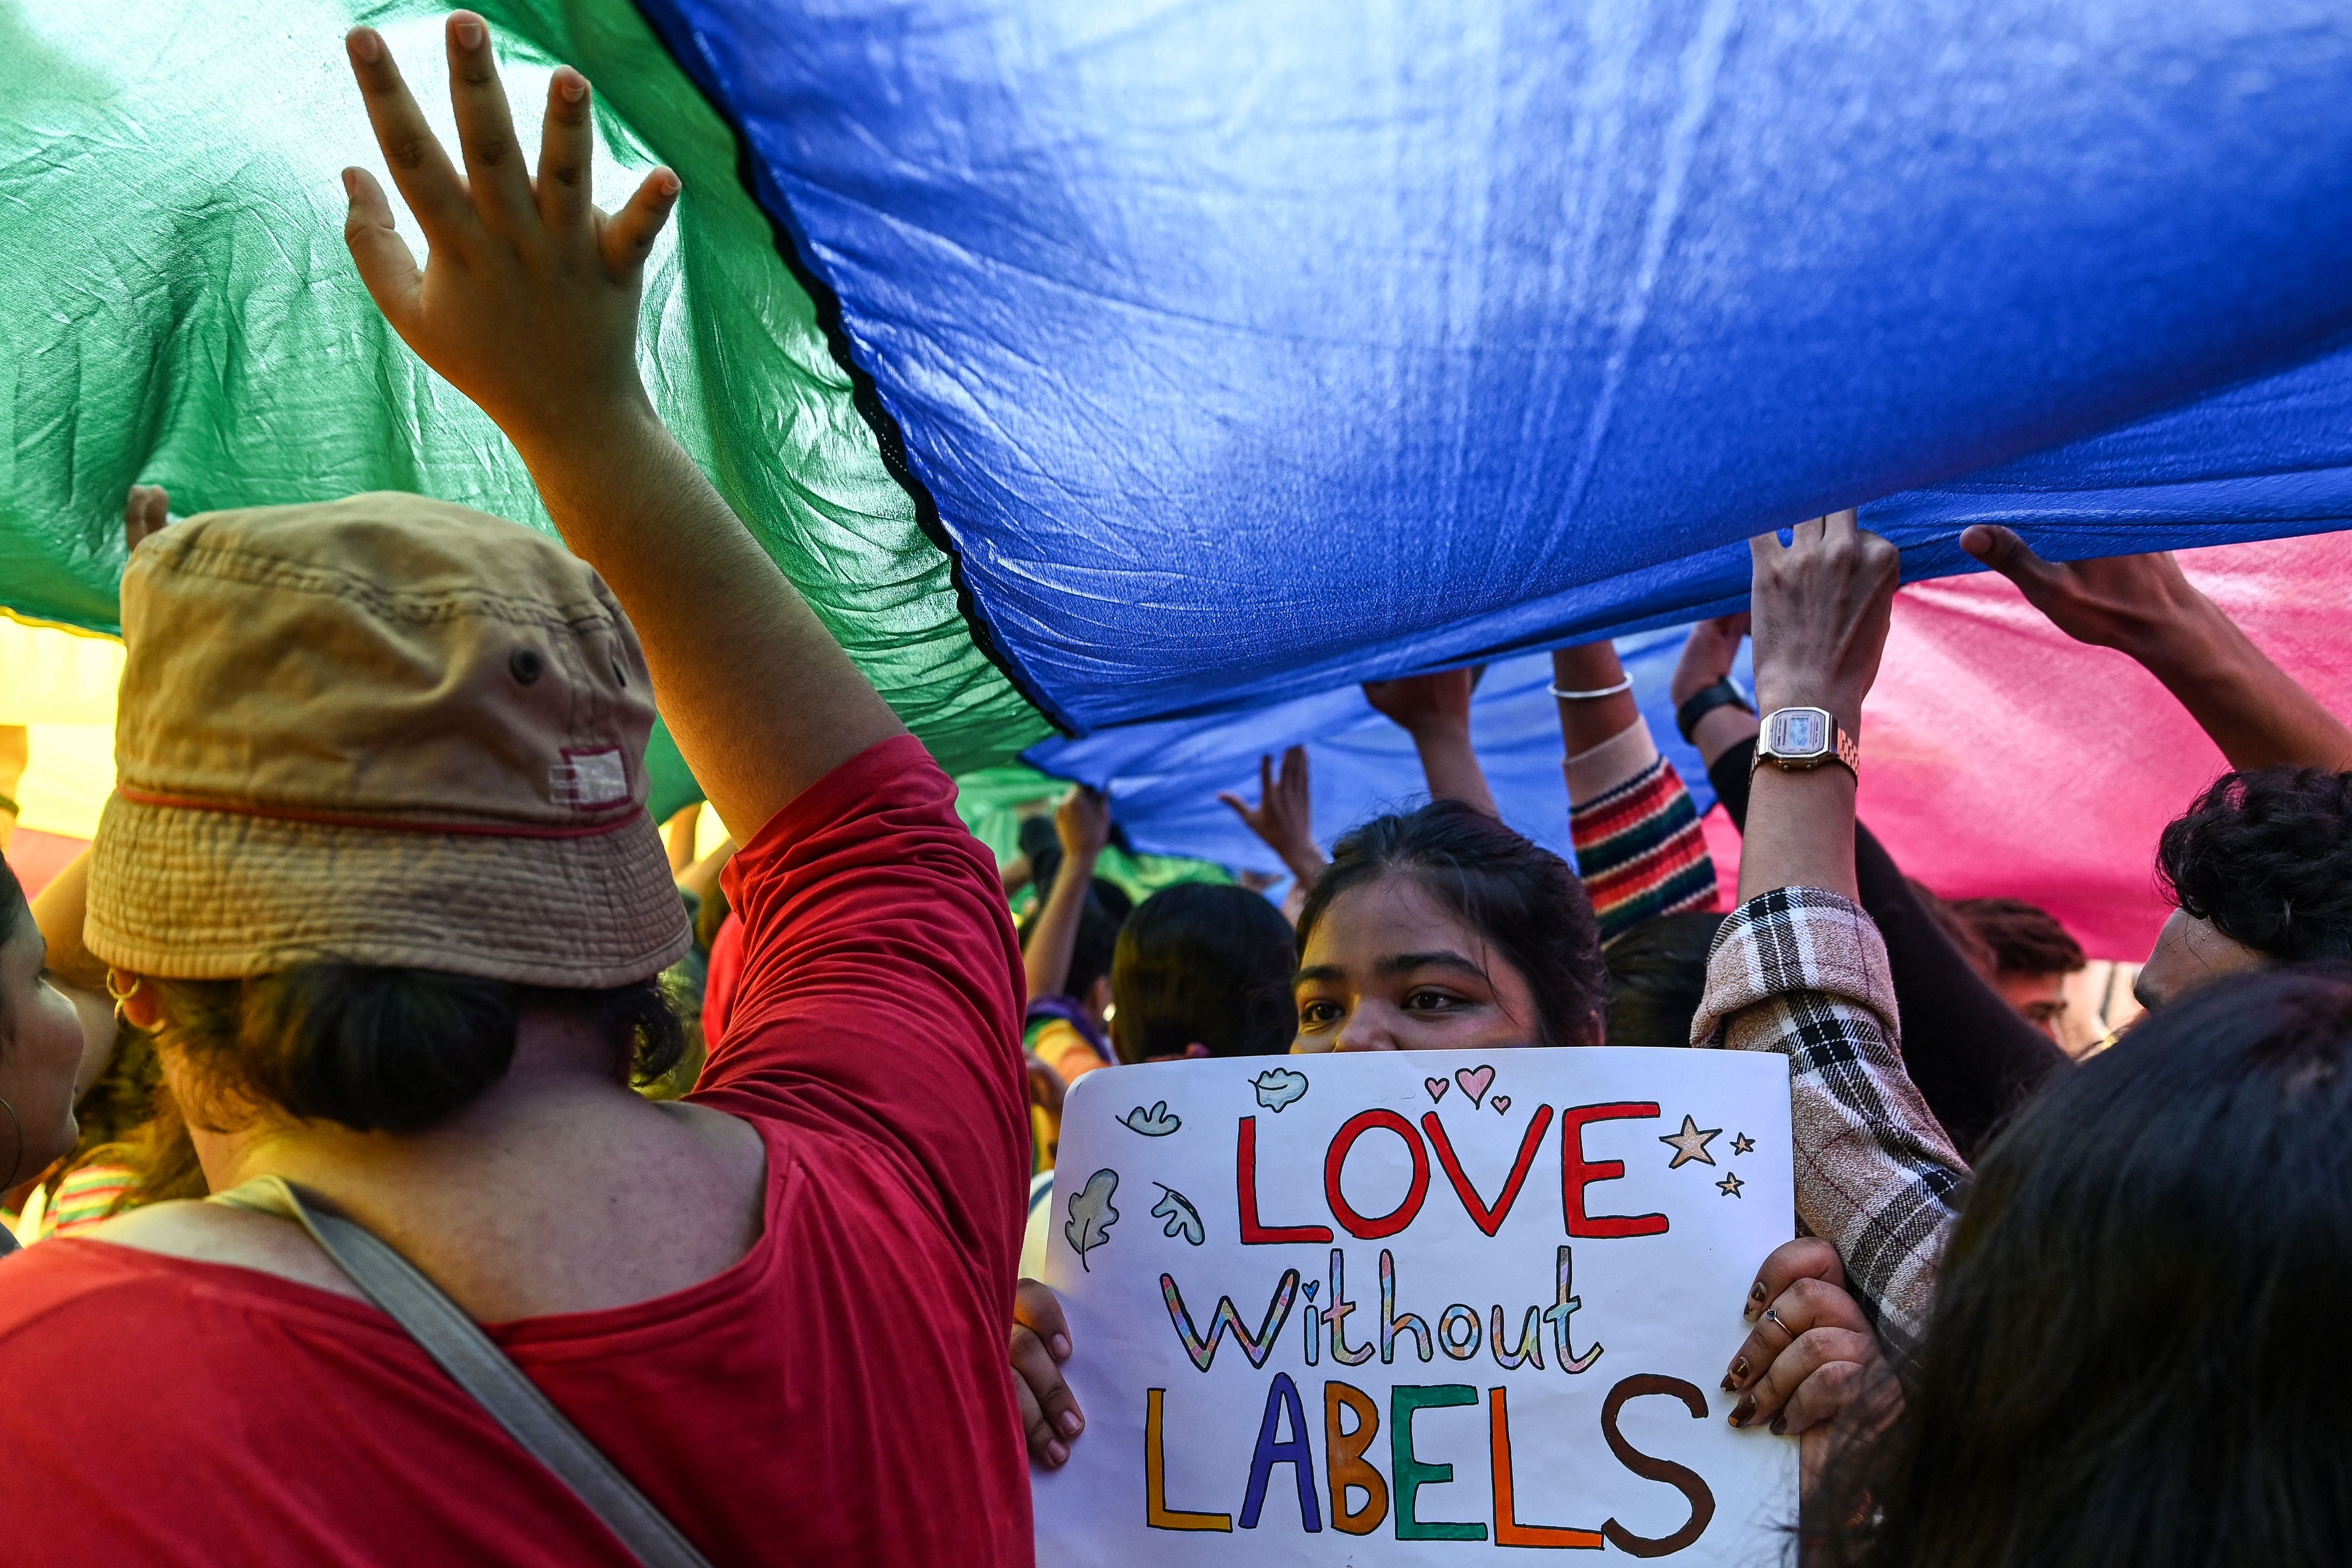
<point x="1113" y="370"/>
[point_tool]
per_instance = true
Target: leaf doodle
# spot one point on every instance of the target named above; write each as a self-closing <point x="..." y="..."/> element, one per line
<point x="1091" y="1216"/>
<point x="1157" y="1123"/>
<point x="1279" y="1088"/>
<point x="1182" y="1218"/>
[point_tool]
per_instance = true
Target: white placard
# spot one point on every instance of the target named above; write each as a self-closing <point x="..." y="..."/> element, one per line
<point x="1406" y="1307"/>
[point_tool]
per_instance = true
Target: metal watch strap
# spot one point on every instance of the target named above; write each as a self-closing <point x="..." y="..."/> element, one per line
<point x="1724" y="693"/>
<point x="1843" y="750"/>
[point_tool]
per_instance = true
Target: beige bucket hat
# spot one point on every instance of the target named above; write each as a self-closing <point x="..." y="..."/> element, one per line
<point x="384" y="730"/>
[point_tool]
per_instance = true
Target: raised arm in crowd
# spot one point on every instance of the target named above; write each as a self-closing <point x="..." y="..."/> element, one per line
<point x="415" y="1001"/>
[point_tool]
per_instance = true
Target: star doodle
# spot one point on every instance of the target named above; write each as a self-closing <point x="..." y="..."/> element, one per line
<point x="1743" y="1144"/>
<point x="1730" y="1185"/>
<point x="1689" y="1144"/>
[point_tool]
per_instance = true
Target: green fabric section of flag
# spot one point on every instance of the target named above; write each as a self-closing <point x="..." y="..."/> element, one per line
<point x="993" y="803"/>
<point x="179" y="310"/>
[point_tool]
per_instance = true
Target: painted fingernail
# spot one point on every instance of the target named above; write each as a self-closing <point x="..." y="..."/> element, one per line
<point x="1057" y="1451"/>
<point x="367" y="43"/>
<point x="1779" y="1425"/>
<point x="469" y="33"/>
<point x="1755" y="1298"/>
<point x="1741" y="1412"/>
<point x="1071" y="1425"/>
<point x="1737" y="1376"/>
<point x="1061" y="1347"/>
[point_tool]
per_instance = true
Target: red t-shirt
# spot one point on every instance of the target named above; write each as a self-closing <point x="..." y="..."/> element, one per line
<point x="840" y="1395"/>
<point x="725" y="974"/>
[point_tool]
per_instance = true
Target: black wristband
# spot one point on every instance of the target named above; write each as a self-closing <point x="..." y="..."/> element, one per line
<point x="1706" y="701"/>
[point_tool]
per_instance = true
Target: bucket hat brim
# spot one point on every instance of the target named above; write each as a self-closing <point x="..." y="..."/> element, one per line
<point x="182" y="892"/>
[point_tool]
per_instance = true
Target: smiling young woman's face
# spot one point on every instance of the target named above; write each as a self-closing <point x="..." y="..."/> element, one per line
<point x="1390" y="968"/>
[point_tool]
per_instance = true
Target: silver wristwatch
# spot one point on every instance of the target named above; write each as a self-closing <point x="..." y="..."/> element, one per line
<point x="1798" y="738"/>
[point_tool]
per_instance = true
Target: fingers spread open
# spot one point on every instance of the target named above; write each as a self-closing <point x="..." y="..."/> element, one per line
<point x="420" y="168"/>
<point x="494" y="168"/>
<point x="567" y="147"/>
<point x="386" y="265"/>
<point x="628" y="235"/>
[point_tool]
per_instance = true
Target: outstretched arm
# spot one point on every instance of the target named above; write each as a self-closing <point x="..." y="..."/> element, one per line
<point x="1970" y="1053"/>
<point x="1434" y="709"/>
<point x="1707" y="660"/>
<point x="528" y="305"/>
<point x="1083" y="822"/>
<point x="2144" y="606"/>
<point x="1283" y="816"/>
<point x="1596" y="699"/>
<point x="1799" y="967"/>
<point x="1639" y="847"/>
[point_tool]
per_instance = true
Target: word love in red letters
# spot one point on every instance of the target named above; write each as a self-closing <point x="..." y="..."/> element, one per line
<point x="1576" y="1173"/>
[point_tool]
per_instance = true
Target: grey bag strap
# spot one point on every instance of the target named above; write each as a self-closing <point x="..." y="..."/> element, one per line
<point x="481" y="1368"/>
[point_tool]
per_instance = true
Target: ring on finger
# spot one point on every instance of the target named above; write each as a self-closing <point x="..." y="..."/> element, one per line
<point x="1773" y="1318"/>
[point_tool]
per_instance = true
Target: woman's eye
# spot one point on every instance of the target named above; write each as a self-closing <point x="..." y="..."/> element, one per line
<point x="1428" y="1001"/>
<point x="1316" y="1012"/>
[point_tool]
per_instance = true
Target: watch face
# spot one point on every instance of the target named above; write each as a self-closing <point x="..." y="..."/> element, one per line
<point x="1798" y="732"/>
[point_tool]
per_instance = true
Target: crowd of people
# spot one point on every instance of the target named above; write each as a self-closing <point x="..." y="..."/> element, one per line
<point x="730" y="1157"/>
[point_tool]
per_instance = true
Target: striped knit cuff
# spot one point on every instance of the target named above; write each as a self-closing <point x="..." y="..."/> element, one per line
<point x="1641" y="852"/>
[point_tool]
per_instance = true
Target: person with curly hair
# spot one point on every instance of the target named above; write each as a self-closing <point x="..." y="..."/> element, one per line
<point x="2260" y="873"/>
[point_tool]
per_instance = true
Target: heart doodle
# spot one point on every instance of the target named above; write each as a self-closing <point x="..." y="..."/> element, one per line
<point x="1310" y="1287"/>
<point x="1436" y="1086"/>
<point x="1502" y="1103"/>
<point x="1475" y="1082"/>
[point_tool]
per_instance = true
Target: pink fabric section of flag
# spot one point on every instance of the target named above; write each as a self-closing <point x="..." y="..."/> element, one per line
<point x="1999" y="757"/>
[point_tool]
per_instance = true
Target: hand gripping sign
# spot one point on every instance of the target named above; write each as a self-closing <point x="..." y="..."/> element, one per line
<point x="1409" y="1308"/>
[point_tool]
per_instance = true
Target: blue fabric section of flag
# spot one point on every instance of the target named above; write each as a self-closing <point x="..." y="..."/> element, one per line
<point x="1164" y="778"/>
<point x="1253" y="344"/>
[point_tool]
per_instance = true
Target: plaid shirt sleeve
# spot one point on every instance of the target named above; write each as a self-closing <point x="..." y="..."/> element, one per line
<point x="1803" y="971"/>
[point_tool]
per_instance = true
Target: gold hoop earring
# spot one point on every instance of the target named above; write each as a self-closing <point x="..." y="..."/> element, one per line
<point x="122" y="997"/>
